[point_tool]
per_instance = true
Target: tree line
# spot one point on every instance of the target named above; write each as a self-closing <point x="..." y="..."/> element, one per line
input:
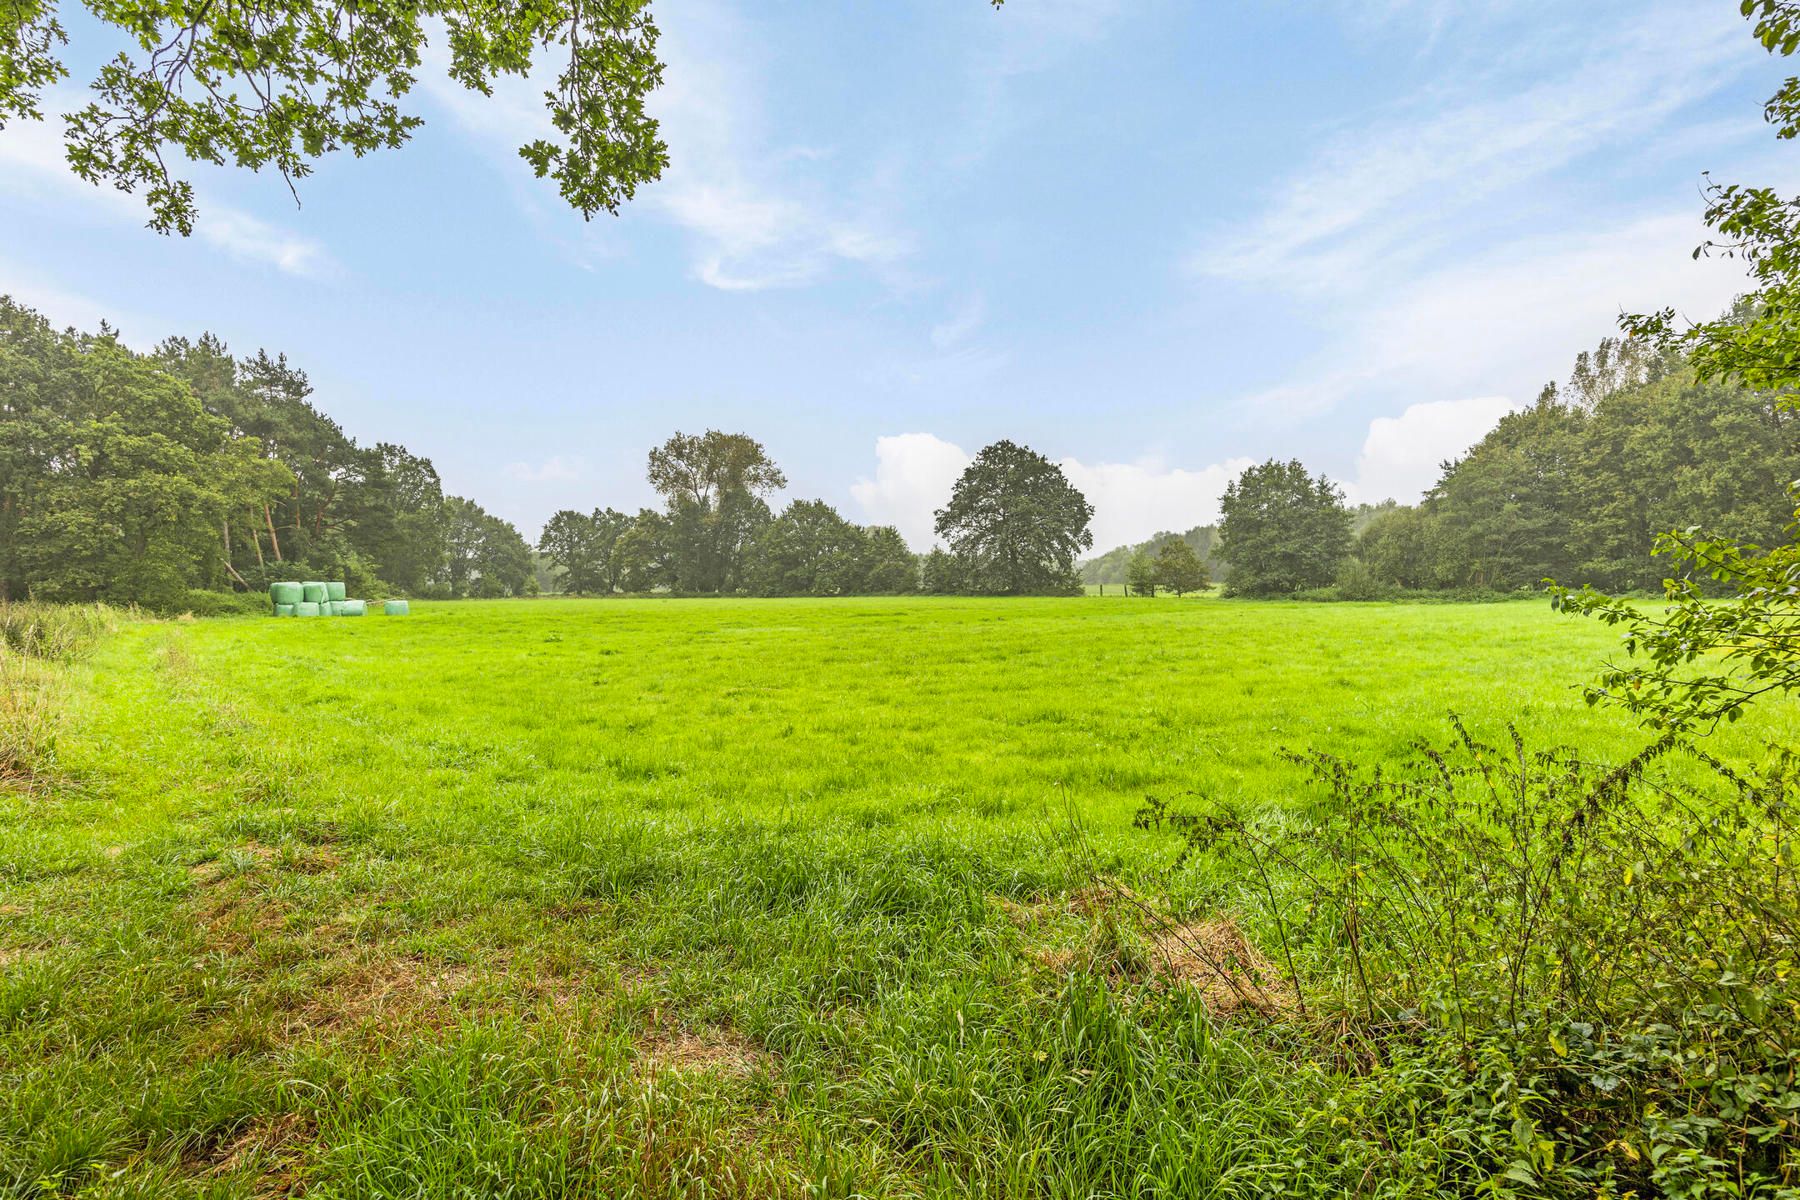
<point x="142" y="478"/>
<point x="168" y="477"/>
<point x="1013" y="525"/>
<point x="1575" y="488"/>
<point x="1578" y="486"/>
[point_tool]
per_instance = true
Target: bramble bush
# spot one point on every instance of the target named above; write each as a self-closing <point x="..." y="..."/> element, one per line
<point x="1536" y="975"/>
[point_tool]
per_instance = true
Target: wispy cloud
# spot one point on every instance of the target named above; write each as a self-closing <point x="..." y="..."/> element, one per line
<point x="1506" y="321"/>
<point x="1019" y="40"/>
<point x="32" y="165"/>
<point x="558" y="468"/>
<point x="758" y="214"/>
<point x="1392" y="193"/>
<point x="964" y="319"/>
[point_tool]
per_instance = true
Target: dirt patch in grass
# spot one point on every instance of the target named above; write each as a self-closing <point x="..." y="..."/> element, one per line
<point x="215" y="869"/>
<point x="403" y="991"/>
<point x="719" y="1051"/>
<point x="232" y="919"/>
<point x="668" y="1045"/>
<point x="271" y="1146"/>
<point x="1227" y="969"/>
<point x="1110" y="929"/>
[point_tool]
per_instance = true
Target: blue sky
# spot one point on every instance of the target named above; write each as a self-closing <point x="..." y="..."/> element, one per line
<point x="1153" y="240"/>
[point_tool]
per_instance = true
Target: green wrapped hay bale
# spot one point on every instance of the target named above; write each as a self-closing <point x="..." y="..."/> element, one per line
<point x="334" y="608"/>
<point x="285" y="610"/>
<point x="285" y="593"/>
<point x="352" y="608"/>
<point x="334" y="591"/>
<point x="307" y="608"/>
<point x="394" y="608"/>
<point x="313" y="592"/>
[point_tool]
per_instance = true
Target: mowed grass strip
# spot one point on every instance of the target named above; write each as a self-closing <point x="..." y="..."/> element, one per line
<point x="674" y="898"/>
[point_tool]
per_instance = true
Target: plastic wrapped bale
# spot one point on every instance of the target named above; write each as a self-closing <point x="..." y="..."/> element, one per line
<point x="333" y="608"/>
<point x="285" y="593"/>
<point x="307" y="608"/>
<point x="285" y="610"/>
<point x="335" y="591"/>
<point x="313" y="592"/>
<point x="352" y="608"/>
<point x="394" y="608"/>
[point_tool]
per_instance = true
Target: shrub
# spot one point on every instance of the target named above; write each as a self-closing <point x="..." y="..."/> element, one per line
<point x="51" y="631"/>
<point x="225" y="604"/>
<point x="1356" y="582"/>
<point x="1546" y="975"/>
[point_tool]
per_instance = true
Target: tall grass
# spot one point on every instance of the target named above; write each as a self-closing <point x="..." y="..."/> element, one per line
<point x="32" y="638"/>
<point x="52" y="631"/>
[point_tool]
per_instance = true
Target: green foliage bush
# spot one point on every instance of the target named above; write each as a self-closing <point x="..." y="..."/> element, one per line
<point x="1543" y="976"/>
<point x="1282" y="531"/>
<point x="52" y="631"/>
<point x="1356" y="582"/>
<point x="201" y="603"/>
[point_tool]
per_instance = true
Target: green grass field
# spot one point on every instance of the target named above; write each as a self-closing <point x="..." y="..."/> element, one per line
<point x="673" y="898"/>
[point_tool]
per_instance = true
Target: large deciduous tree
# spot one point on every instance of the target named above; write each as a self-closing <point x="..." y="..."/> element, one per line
<point x="116" y="483"/>
<point x="888" y="566"/>
<point x="642" y="560"/>
<point x="809" y="550"/>
<point x="1017" y="523"/>
<point x="714" y="484"/>
<point x="579" y="547"/>
<point x="487" y="557"/>
<point x="1179" y="569"/>
<point x="1578" y="486"/>
<point x="348" y="510"/>
<point x="1696" y="662"/>
<point x="1282" y="530"/>
<point x="279" y="84"/>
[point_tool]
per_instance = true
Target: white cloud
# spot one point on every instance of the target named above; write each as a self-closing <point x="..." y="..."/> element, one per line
<point x="248" y="239"/>
<point x="1402" y="456"/>
<point x="557" y="468"/>
<point x="1507" y="321"/>
<point x="32" y="165"/>
<point x="758" y="215"/>
<point x="1133" y="501"/>
<point x="914" y="473"/>
<point x="1391" y="193"/>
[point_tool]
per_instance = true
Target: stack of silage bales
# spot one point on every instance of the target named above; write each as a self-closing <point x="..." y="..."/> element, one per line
<point x="285" y="597"/>
<point x="318" y="598"/>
